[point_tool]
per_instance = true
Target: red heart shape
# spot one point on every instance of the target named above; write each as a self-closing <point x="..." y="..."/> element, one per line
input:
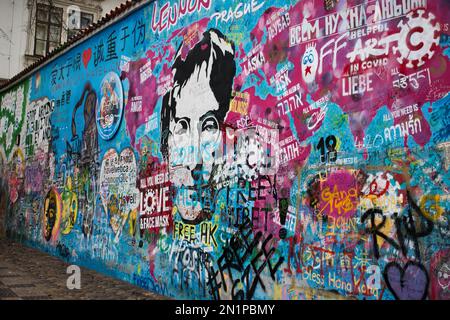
<point x="87" y="57"/>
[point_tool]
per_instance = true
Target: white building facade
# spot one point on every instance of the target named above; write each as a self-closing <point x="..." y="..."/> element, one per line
<point x="29" y="29"/>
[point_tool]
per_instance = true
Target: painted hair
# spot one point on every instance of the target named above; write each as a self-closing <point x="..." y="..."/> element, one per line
<point x="218" y="54"/>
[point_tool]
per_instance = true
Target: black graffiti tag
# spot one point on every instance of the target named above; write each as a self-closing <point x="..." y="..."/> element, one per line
<point x="411" y="227"/>
<point x="248" y="258"/>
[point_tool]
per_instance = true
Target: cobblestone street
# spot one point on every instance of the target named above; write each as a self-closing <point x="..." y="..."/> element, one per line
<point x="28" y="274"/>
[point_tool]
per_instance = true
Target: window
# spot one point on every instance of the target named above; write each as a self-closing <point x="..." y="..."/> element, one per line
<point x="48" y="29"/>
<point x="85" y="20"/>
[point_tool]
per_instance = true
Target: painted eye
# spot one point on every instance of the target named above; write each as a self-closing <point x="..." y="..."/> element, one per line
<point x="181" y="127"/>
<point x="210" y="131"/>
<point x="310" y="58"/>
<point x="305" y="60"/>
<point x="181" y="133"/>
<point x="210" y="124"/>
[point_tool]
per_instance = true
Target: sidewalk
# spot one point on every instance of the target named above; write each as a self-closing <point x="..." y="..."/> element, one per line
<point x="28" y="274"/>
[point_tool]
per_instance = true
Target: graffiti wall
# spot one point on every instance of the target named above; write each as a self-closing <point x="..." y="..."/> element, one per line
<point x="217" y="149"/>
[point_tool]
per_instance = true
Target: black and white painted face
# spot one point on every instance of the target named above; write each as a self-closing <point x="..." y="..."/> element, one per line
<point x="193" y="141"/>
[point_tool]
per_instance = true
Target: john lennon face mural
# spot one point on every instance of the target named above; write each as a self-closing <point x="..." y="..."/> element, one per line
<point x="193" y="112"/>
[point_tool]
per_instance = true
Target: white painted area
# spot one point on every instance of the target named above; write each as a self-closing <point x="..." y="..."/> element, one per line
<point x="13" y="36"/>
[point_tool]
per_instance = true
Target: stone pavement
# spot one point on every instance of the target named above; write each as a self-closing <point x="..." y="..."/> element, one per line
<point x="29" y="274"/>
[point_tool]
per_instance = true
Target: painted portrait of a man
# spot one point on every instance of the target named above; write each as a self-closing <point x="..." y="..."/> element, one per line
<point x="191" y="115"/>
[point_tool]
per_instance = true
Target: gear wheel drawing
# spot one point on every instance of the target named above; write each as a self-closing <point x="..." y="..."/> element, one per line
<point x="418" y="39"/>
<point x="149" y="209"/>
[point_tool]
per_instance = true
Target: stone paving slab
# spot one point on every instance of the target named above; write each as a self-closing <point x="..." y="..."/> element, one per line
<point x="14" y="281"/>
<point x="28" y="292"/>
<point x="7" y="293"/>
<point x="10" y="275"/>
<point x="29" y="274"/>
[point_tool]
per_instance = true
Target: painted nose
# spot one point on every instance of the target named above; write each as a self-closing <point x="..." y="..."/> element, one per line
<point x="196" y="173"/>
<point x="194" y="155"/>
